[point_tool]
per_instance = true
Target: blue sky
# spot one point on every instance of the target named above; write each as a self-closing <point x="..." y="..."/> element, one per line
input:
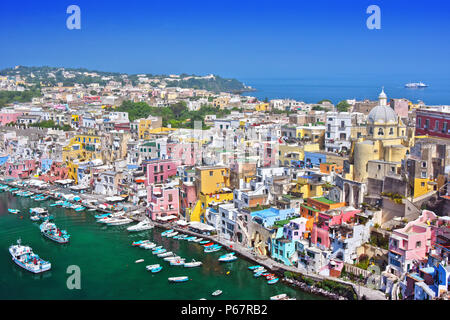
<point x="230" y="38"/>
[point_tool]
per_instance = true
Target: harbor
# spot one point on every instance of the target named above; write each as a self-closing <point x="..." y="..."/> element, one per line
<point x="107" y="262"/>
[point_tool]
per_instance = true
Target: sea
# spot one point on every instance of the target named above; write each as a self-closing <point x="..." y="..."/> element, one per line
<point x="106" y="259"/>
<point x="340" y="87"/>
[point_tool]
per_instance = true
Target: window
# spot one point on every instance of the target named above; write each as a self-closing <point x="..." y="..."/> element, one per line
<point x="211" y="173"/>
<point x="422" y="184"/>
<point x="427" y="123"/>
<point x="380" y="132"/>
<point x="418" y="244"/>
<point x="423" y="174"/>
<point x="436" y="125"/>
<point x="170" y="198"/>
<point x="391" y="131"/>
<point x="444" y="127"/>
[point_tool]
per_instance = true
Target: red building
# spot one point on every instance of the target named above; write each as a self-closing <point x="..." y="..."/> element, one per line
<point x="434" y="123"/>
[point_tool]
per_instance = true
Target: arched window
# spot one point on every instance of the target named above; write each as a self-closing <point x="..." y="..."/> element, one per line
<point x="391" y="131"/>
<point x="370" y="130"/>
<point x="380" y="132"/>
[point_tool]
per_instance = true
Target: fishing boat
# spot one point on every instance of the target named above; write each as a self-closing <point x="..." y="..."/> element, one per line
<point x="177" y="262"/>
<point x="24" y="257"/>
<point x="164" y="254"/>
<point x="179" y="279"/>
<point x="193" y="264"/>
<point x="216" y="293"/>
<point x="140" y="243"/>
<point x="273" y="281"/>
<point x="169" y="235"/>
<point x="228" y="257"/>
<point x="281" y="296"/>
<point x="14" y="211"/>
<point x="213" y="248"/>
<point x="152" y="266"/>
<point x="141" y="226"/>
<point x="49" y="230"/>
<point x="254" y="267"/>
<point x="166" y="232"/>
<point x="204" y="242"/>
<point x="139" y="261"/>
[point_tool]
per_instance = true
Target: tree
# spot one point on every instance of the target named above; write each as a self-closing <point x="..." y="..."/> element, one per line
<point x="343" y="106"/>
<point x="93" y="93"/>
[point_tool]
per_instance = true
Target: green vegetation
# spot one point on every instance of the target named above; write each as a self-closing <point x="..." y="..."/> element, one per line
<point x="51" y="124"/>
<point x="7" y="97"/>
<point x="343" y="106"/>
<point x="216" y="84"/>
<point x="324" y="100"/>
<point x="363" y="262"/>
<point x="318" y="108"/>
<point x="378" y="240"/>
<point x="177" y="115"/>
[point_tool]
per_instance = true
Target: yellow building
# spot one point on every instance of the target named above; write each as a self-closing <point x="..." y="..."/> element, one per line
<point x="147" y="125"/>
<point x="307" y="189"/>
<point x="262" y="107"/>
<point x="221" y="102"/>
<point x="423" y="186"/>
<point x="386" y="139"/>
<point x="294" y="152"/>
<point x="81" y="148"/>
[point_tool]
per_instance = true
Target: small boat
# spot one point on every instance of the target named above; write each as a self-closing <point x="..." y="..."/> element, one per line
<point x="198" y="240"/>
<point x="254" y="267"/>
<point x="179" y="279"/>
<point x="177" y="262"/>
<point x="156" y="270"/>
<point x="173" y="258"/>
<point x="34" y="218"/>
<point x="182" y="237"/>
<point x="193" y="264"/>
<point x="141" y="226"/>
<point x="281" y="296"/>
<point x="78" y="208"/>
<point x="209" y="244"/>
<point x="190" y="238"/>
<point x="213" y="248"/>
<point x="204" y="242"/>
<point x="258" y="274"/>
<point x="169" y="235"/>
<point x="139" y="261"/>
<point x="157" y="248"/>
<point x="273" y="281"/>
<point x="164" y="254"/>
<point x="101" y="216"/>
<point x="119" y="221"/>
<point x="49" y="230"/>
<point x="166" y="232"/>
<point x="217" y="293"/>
<point x="148" y="246"/>
<point x="228" y="257"/>
<point x="14" y="211"/>
<point x="259" y="269"/>
<point x="140" y="243"/>
<point x="162" y="250"/>
<point x="24" y="257"/>
<point x="152" y="266"/>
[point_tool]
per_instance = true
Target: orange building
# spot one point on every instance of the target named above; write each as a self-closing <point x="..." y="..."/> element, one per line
<point x="330" y="167"/>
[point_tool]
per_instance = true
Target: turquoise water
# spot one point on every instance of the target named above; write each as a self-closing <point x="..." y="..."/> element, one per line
<point x="107" y="262"/>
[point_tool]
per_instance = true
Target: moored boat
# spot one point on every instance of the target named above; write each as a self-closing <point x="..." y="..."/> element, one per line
<point x="177" y="262"/>
<point x="254" y="267"/>
<point x="216" y="293"/>
<point x="166" y="232"/>
<point x="152" y="266"/>
<point x="228" y="257"/>
<point x="141" y="226"/>
<point x="139" y="243"/>
<point x="273" y="281"/>
<point x="14" y="211"/>
<point x="179" y="279"/>
<point x="281" y="296"/>
<point x="193" y="264"/>
<point x="49" y="230"/>
<point x="24" y="257"/>
<point x="139" y="261"/>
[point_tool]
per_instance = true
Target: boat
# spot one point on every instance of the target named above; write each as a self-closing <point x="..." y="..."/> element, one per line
<point x="101" y="216"/>
<point x="193" y="264"/>
<point x="281" y="296"/>
<point x="177" y="262"/>
<point x="190" y="238"/>
<point x="141" y="226"/>
<point x="156" y="270"/>
<point x="254" y="267"/>
<point x="164" y="254"/>
<point x="273" y="281"/>
<point x="173" y="258"/>
<point x="166" y="232"/>
<point x="259" y="269"/>
<point x="139" y="261"/>
<point x="139" y="243"/>
<point x="209" y="244"/>
<point x="198" y="240"/>
<point x="118" y="221"/>
<point x="416" y="85"/>
<point x="204" y="242"/>
<point x="24" y="257"/>
<point x="148" y="246"/>
<point x="78" y="208"/>
<point x="35" y="218"/>
<point x="14" y="211"/>
<point x="49" y="230"/>
<point x="228" y="257"/>
<point x="179" y="279"/>
<point x="162" y="250"/>
<point x="157" y="248"/>
<point x="152" y="266"/>
<point x="258" y="274"/>
<point x="213" y="248"/>
<point x="169" y="235"/>
<point x="216" y="293"/>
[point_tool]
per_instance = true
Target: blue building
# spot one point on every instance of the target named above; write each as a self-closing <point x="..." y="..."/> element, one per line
<point x="314" y="158"/>
<point x="283" y="249"/>
<point x="268" y="217"/>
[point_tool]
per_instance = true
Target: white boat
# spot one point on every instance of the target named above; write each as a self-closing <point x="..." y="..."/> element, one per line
<point x="416" y="85"/>
<point x="179" y="279"/>
<point x="169" y="235"/>
<point x="148" y="246"/>
<point x="118" y="221"/>
<point x="152" y="266"/>
<point x="281" y="296"/>
<point x="228" y="257"/>
<point x="139" y="261"/>
<point x="217" y="293"/>
<point x="198" y="240"/>
<point x="165" y="254"/>
<point x="141" y="226"/>
<point x="193" y="264"/>
<point x="173" y="258"/>
<point x="192" y="239"/>
<point x="24" y="257"/>
<point x="177" y="262"/>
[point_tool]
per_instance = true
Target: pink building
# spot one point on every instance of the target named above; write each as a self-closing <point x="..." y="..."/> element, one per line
<point x="410" y="245"/>
<point x="162" y="201"/>
<point x="20" y="169"/>
<point x="159" y="171"/>
<point x="8" y="117"/>
<point x="186" y="153"/>
<point x="320" y="231"/>
<point x="56" y="172"/>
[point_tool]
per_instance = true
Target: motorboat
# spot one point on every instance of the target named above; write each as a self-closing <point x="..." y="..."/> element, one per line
<point x="204" y="242"/>
<point x="169" y="235"/>
<point x="14" y="211"/>
<point x="152" y="266"/>
<point x="198" y="240"/>
<point x="157" y="248"/>
<point x="24" y="257"/>
<point x="119" y="221"/>
<point x="141" y="226"/>
<point x="179" y="279"/>
<point x="156" y="270"/>
<point x="166" y="232"/>
<point x="177" y="262"/>
<point x="254" y="267"/>
<point x="193" y="264"/>
<point x="140" y="243"/>
<point x="148" y="246"/>
<point x="212" y="248"/>
<point x="281" y="296"/>
<point x="190" y="238"/>
<point x="162" y="250"/>
<point x="217" y="293"/>
<point x="49" y="230"/>
<point x="164" y="254"/>
<point x="139" y="261"/>
<point x="173" y="258"/>
<point x="228" y="257"/>
<point x="273" y="281"/>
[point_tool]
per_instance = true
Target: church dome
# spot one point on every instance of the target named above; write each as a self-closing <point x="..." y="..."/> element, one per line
<point x="382" y="114"/>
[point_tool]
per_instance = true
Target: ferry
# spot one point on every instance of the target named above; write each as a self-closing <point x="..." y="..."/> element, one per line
<point x="179" y="279"/>
<point x="141" y="226"/>
<point x="50" y="231"/>
<point x="24" y="257"/>
<point x="416" y="85"/>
